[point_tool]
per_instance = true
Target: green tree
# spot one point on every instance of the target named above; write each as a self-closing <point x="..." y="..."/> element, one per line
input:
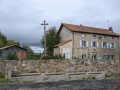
<point x="11" y="42"/>
<point x="29" y="50"/>
<point x="3" y="40"/>
<point x="51" y="40"/>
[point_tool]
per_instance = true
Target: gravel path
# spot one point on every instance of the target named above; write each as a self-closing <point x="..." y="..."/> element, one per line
<point x="105" y="84"/>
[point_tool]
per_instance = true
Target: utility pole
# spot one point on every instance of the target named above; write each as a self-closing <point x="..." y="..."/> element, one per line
<point x="44" y="36"/>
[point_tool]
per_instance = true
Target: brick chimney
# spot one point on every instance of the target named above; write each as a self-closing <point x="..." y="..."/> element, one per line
<point x="110" y="29"/>
<point x="80" y="24"/>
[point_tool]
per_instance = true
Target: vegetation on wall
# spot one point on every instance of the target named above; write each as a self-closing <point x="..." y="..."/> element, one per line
<point x="51" y="40"/>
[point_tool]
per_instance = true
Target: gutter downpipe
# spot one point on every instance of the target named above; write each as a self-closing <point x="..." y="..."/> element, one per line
<point x="73" y="48"/>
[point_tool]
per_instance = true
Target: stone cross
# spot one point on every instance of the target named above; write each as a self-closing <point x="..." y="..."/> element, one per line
<point x="44" y="36"/>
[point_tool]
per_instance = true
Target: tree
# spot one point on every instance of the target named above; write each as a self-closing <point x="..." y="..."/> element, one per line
<point x="11" y="42"/>
<point x="51" y="40"/>
<point x="29" y="50"/>
<point x="3" y="40"/>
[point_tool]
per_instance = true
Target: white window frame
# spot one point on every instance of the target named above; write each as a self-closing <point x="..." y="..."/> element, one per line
<point x="81" y="43"/>
<point x="97" y="44"/>
<point x="83" y="35"/>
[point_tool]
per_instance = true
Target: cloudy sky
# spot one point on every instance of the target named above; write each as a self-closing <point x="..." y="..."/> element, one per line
<point x="20" y="20"/>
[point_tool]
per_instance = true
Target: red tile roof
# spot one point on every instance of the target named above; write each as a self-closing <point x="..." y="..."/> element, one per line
<point x="62" y="43"/>
<point x="81" y="28"/>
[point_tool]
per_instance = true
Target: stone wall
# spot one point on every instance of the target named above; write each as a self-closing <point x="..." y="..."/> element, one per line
<point x="13" y="67"/>
<point x="99" y="51"/>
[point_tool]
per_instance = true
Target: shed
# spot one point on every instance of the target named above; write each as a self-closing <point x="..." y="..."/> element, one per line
<point x="19" y="51"/>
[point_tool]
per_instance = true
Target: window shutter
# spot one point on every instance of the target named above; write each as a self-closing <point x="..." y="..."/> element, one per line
<point x="115" y="45"/>
<point x="107" y="45"/>
<point x="97" y="44"/>
<point x="80" y="43"/>
<point x="87" y="43"/>
<point x="102" y="44"/>
<point x="110" y="45"/>
<point x="91" y="43"/>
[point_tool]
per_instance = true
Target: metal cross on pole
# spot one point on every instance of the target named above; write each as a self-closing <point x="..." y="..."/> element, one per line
<point x="44" y="36"/>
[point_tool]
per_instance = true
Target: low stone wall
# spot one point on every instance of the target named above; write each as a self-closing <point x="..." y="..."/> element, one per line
<point x="13" y="67"/>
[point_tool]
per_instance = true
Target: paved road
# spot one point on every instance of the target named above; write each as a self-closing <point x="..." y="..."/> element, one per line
<point x="105" y="84"/>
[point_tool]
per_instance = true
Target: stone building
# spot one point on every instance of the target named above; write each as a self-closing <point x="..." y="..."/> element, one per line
<point x="78" y="41"/>
<point x="11" y="49"/>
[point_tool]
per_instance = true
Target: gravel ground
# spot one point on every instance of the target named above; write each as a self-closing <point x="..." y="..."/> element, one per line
<point x="104" y="84"/>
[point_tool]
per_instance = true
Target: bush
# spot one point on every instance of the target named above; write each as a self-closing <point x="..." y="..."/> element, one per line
<point x="12" y="56"/>
<point x="47" y="57"/>
<point x="59" y="56"/>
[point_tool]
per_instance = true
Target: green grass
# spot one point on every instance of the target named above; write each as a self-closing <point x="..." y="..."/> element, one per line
<point x="3" y="80"/>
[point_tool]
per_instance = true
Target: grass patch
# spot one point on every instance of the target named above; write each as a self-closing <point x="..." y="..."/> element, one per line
<point x="3" y="80"/>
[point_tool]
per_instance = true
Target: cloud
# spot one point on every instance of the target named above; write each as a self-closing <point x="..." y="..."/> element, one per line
<point x="21" y="20"/>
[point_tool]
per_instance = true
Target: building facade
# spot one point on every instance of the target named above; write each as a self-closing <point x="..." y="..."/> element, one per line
<point x="78" y="41"/>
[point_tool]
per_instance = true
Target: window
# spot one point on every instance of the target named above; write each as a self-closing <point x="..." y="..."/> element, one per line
<point x="94" y="44"/>
<point x="108" y="57"/>
<point x="112" y="57"/>
<point x="104" y="57"/>
<point x="83" y="43"/>
<point x="112" y="45"/>
<point x="104" y="37"/>
<point x="83" y="35"/>
<point x="83" y="56"/>
<point x="94" y="36"/>
<point x="79" y="28"/>
<point x="94" y="57"/>
<point x="104" y="45"/>
<point x="112" y="37"/>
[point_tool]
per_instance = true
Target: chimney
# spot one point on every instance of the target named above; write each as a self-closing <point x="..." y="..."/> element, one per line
<point x="80" y="24"/>
<point x="110" y="29"/>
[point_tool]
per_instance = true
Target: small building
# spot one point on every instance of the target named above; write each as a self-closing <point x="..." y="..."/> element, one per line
<point x="78" y="41"/>
<point x="19" y="51"/>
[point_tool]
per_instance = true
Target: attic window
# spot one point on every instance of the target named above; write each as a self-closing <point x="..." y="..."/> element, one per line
<point x="79" y="28"/>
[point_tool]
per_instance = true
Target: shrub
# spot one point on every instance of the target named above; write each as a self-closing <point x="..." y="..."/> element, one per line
<point x="46" y="57"/>
<point x="12" y="56"/>
<point x="59" y="56"/>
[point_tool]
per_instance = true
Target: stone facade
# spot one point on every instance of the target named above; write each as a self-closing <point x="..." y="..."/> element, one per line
<point x="106" y="46"/>
<point x="99" y="50"/>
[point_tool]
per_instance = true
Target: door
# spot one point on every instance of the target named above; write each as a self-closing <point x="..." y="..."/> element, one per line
<point x="66" y="52"/>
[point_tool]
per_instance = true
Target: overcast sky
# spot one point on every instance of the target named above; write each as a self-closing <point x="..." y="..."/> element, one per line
<point x="20" y="20"/>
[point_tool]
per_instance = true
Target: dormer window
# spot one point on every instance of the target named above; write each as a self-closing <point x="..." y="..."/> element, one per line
<point x="83" y="35"/>
<point x="94" y="36"/>
<point x="79" y="28"/>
